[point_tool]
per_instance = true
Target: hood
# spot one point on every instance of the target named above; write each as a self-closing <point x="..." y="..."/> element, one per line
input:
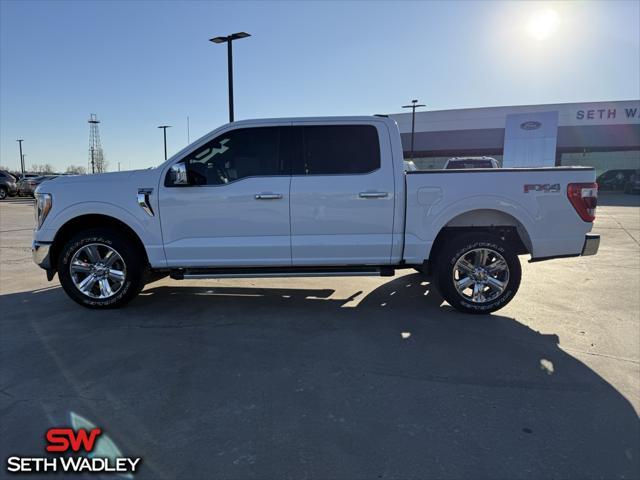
<point x="99" y="177"/>
<point x="99" y="187"/>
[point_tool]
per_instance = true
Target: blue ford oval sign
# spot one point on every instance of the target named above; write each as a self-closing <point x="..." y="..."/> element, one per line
<point x="530" y="125"/>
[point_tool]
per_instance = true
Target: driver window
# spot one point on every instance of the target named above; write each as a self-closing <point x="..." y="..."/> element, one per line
<point x="235" y="155"/>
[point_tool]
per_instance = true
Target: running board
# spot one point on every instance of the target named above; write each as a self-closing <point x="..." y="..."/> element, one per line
<point x="271" y="272"/>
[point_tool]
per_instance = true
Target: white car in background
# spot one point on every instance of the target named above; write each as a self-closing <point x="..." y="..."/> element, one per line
<point x="309" y="197"/>
<point x="410" y="166"/>
<point x="471" y="162"/>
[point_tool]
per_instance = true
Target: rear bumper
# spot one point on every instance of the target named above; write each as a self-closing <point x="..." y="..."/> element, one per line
<point x="589" y="247"/>
<point x="591" y="244"/>
<point x="40" y="254"/>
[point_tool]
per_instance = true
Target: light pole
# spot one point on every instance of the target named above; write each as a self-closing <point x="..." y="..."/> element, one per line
<point x="20" y="140"/>
<point x="413" y="106"/>
<point x="229" y="39"/>
<point x="164" y="131"/>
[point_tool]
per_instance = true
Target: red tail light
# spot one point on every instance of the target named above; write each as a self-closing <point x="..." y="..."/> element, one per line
<point x="584" y="198"/>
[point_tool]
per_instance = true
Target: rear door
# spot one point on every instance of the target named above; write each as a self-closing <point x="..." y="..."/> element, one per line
<point x="342" y="194"/>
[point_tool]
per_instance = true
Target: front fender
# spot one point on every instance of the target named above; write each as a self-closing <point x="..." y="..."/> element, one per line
<point x="147" y="228"/>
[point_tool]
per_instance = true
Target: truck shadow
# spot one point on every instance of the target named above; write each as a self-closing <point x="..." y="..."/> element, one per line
<point x="292" y="382"/>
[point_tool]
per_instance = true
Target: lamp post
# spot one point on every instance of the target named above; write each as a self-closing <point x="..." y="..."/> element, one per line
<point x="20" y="140"/>
<point x="413" y="106"/>
<point x="164" y="131"/>
<point x="228" y="40"/>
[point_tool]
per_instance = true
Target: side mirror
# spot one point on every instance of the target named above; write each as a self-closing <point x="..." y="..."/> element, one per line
<point x="178" y="174"/>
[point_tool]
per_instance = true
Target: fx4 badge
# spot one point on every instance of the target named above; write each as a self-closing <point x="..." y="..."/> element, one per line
<point x="542" y="187"/>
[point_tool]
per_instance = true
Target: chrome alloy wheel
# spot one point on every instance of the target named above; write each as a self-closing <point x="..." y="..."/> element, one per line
<point x="97" y="270"/>
<point x="481" y="275"/>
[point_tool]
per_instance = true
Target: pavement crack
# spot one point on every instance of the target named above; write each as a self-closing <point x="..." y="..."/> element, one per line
<point x="511" y="384"/>
<point x="625" y="230"/>
<point x="595" y="354"/>
<point x="195" y="325"/>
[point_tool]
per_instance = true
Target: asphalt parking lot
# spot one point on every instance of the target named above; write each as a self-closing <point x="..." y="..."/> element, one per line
<point x="336" y="378"/>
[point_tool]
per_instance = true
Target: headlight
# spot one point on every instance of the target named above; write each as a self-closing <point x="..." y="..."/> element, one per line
<point x="43" y="207"/>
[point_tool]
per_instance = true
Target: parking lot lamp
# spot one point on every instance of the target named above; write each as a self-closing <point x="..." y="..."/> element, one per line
<point x="20" y="140"/>
<point x="164" y="131"/>
<point x="229" y="39"/>
<point x="413" y="106"/>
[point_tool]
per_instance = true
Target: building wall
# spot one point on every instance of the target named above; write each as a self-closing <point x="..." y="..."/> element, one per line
<point x="605" y="135"/>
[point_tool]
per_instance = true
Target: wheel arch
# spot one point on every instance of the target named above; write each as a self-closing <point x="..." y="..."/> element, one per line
<point x="488" y="220"/>
<point x="90" y="221"/>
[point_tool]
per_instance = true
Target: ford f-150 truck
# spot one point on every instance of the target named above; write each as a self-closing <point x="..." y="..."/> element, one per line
<point x="309" y="197"/>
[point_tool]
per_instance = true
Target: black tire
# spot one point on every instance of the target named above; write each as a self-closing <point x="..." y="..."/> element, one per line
<point x="466" y="245"/>
<point x="3" y="193"/>
<point x="135" y="267"/>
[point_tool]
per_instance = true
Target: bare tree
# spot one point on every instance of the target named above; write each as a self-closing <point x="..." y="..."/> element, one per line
<point x="76" y="170"/>
<point x="42" y="169"/>
<point x="101" y="162"/>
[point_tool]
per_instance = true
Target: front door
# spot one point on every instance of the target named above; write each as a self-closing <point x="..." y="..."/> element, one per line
<point x="235" y="209"/>
<point x="342" y="195"/>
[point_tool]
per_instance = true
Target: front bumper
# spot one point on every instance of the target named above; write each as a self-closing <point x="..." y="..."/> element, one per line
<point x="40" y="254"/>
<point x="591" y="244"/>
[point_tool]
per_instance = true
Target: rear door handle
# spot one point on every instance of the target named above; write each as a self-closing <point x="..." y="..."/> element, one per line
<point x="373" y="194"/>
<point x="268" y="196"/>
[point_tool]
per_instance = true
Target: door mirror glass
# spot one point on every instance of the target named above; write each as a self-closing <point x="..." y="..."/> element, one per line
<point x="178" y="174"/>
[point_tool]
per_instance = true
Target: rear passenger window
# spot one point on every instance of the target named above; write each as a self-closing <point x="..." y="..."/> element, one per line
<point x="339" y="149"/>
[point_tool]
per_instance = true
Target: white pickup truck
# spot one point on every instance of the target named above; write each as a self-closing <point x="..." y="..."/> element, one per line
<point x="309" y="197"/>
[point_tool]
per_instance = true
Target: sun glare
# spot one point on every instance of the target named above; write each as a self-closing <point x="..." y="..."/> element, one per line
<point x="543" y="24"/>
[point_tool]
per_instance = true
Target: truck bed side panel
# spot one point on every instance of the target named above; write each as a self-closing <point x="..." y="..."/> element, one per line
<point x="552" y="226"/>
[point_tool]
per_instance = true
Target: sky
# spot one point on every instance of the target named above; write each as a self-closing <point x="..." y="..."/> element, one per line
<point x="140" y="64"/>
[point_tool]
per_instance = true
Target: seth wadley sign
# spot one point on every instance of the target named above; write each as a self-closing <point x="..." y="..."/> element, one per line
<point x="627" y="113"/>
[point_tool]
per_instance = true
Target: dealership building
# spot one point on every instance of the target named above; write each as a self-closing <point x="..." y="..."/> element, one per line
<point x="605" y="135"/>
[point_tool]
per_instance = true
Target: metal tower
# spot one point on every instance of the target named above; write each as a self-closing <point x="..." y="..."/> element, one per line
<point x="97" y="162"/>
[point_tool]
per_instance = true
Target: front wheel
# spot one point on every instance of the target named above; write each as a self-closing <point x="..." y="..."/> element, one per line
<point x="3" y="193"/>
<point x="478" y="272"/>
<point x="101" y="268"/>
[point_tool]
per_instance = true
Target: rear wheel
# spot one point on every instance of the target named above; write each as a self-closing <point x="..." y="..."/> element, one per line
<point x="478" y="272"/>
<point x="101" y="268"/>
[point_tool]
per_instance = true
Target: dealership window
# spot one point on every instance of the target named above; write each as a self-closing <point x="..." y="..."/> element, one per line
<point x="339" y="149"/>
<point x="603" y="161"/>
<point x="613" y="168"/>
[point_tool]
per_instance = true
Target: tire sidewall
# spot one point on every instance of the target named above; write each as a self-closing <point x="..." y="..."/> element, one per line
<point x="4" y="193"/>
<point x="133" y="279"/>
<point x="463" y="245"/>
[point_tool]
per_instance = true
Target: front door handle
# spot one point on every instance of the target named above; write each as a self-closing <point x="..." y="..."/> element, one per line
<point x="373" y="194"/>
<point x="268" y="196"/>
